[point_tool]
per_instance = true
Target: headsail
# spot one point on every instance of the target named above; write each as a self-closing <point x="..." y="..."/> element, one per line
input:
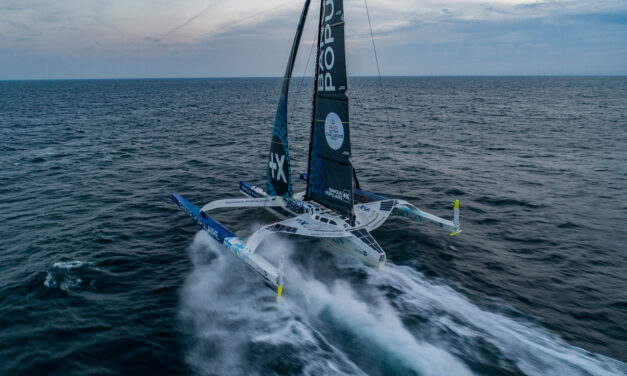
<point x="330" y="174"/>
<point x="278" y="175"/>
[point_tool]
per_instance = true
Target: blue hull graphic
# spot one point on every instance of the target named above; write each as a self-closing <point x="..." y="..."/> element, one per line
<point x="212" y="226"/>
<point x="231" y="242"/>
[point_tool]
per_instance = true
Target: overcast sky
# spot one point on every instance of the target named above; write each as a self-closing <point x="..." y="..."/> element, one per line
<point x="209" y="38"/>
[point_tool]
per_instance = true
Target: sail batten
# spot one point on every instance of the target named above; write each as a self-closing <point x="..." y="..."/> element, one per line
<point x="330" y="172"/>
<point x="278" y="173"/>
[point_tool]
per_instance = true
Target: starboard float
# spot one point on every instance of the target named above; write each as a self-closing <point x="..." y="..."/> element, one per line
<point x="333" y="206"/>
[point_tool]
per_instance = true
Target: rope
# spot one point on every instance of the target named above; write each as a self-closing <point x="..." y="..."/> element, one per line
<point x="302" y="78"/>
<point x="387" y="117"/>
<point x="296" y="101"/>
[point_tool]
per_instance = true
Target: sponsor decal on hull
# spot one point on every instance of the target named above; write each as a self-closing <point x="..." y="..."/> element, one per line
<point x="344" y="195"/>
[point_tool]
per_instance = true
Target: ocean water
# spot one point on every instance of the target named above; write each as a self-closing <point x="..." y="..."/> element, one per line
<point x="100" y="273"/>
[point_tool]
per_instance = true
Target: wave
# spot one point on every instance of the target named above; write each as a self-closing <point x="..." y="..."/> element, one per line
<point x="532" y="349"/>
<point x="238" y="328"/>
<point x="66" y="275"/>
<point x="65" y="283"/>
<point x="379" y="325"/>
<point x="70" y="264"/>
<point x="395" y="321"/>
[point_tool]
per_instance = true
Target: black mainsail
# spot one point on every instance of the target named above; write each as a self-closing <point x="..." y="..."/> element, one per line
<point x="330" y="173"/>
<point x="278" y="175"/>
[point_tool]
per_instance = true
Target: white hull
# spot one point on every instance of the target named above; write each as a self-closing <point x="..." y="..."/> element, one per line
<point x="306" y="218"/>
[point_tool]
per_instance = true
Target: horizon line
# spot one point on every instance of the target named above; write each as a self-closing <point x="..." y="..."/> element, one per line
<point x="312" y="77"/>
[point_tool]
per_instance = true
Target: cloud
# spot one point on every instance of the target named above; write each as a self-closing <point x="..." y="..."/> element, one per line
<point x="134" y="30"/>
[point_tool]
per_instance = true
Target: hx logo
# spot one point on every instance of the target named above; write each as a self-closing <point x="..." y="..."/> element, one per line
<point x="346" y="196"/>
<point x="276" y="165"/>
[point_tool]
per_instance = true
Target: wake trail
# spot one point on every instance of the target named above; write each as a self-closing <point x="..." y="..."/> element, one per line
<point x="351" y="325"/>
<point x="534" y="350"/>
<point x="378" y="324"/>
<point x="237" y="328"/>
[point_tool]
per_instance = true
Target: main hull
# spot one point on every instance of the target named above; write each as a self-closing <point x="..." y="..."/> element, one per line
<point x="350" y="245"/>
<point x="308" y="218"/>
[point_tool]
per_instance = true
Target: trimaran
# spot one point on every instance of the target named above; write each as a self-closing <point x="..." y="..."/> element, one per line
<point x="333" y="206"/>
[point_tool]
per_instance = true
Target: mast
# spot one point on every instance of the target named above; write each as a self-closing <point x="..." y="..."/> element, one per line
<point x="330" y="173"/>
<point x="315" y="96"/>
<point x="278" y="173"/>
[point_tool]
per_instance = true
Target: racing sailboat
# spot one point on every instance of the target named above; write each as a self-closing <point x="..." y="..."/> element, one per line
<point x="333" y="206"/>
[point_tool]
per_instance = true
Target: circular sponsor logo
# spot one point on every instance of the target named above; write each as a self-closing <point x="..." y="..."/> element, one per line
<point x="334" y="131"/>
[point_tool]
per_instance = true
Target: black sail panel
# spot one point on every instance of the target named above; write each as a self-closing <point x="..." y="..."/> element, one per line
<point x="278" y="174"/>
<point x="330" y="171"/>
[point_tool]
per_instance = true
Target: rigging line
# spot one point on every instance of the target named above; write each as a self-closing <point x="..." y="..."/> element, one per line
<point x="385" y="106"/>
<point x="302" y="79"/>
<point x="353" y="89"/>
<point x="358" y="102"/>
<point x="300" y="84"/>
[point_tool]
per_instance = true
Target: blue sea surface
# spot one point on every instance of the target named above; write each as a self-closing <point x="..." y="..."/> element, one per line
<point x="102" y="274"/>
